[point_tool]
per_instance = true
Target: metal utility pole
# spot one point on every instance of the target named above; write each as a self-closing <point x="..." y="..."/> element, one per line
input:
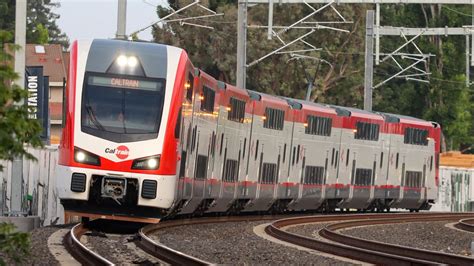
<point x="17" y="164"/>
<point x="241" y="44"/>
<point x="369" y="60"/>
<point x="121" y="19"/>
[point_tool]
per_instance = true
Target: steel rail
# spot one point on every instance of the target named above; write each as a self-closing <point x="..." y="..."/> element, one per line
<point x="175" y="257"/>
<point x="329" y="232"/>
<point x="80" y="252"/>
<point x="361" y="252"/>
<point x="466" y="225"/>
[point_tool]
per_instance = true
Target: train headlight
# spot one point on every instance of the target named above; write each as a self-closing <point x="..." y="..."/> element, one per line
<point x="82" y="156"/>
<point x="147" y="163"/>
<point x="122" y="60"/>
<point x="130" y="61"/>
<point x="152" y="163"/>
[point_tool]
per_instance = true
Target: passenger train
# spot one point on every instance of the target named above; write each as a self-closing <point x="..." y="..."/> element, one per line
<point x="148" y="135"/>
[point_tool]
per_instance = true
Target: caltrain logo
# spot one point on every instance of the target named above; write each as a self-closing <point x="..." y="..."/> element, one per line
<point x="121" y="152"/>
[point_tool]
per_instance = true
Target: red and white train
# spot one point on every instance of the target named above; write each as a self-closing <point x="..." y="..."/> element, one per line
<point x="149" y="135"/>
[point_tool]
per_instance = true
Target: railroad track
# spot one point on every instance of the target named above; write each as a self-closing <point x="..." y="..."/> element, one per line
<point x="79" y="251"/>
<point x="175" y="257"/>
<point x="466" y="224"/>
<point x="367" y="250"/>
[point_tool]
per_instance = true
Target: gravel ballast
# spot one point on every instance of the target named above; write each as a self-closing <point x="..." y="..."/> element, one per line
<point x="425" y="235"/>
<point x="39" y="252"/>
<point x="235" y="243"/>
<point x="119" y="249"/>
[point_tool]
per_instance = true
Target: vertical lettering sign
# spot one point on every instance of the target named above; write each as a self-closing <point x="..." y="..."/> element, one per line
<point x="38" y="98"/>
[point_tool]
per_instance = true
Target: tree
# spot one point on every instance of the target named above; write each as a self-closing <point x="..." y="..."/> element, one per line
<point x="445" y="100"/>
<point x="15" y="128"/>
<point x="41" y="24"/>
<point x="14" y="246"/>
<point x="39" y="18"/>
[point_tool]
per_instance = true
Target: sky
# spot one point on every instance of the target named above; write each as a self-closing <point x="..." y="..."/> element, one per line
<point x="88" y="19"/>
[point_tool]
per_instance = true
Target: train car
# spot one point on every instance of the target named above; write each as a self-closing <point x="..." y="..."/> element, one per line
<point x="119" y="148"/>
<point x="147" y="135"/>
<point x="413" y="162"/>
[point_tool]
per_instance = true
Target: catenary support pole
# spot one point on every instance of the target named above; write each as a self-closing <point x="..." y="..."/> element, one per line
<point x="369" y="60"/>
<point x="468" y="68"/>
<point x="241" y="45"/>
<point x="121" y="19"/>
<point x="308" y="90"/>
<point x="17" y="164"/>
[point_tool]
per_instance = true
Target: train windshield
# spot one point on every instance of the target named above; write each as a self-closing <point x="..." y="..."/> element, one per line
<point x="122" y="109"/>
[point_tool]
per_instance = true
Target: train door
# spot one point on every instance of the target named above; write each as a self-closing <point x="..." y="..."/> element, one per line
<point x="392" y="193"/>
<point x="204" y="124"/>
<point x="347" y="155"/>
<point x="187" y="111"/>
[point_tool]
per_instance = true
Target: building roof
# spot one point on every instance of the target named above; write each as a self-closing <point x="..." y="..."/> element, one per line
<point x="456" y="159"/>
<point x="50" y="56"/>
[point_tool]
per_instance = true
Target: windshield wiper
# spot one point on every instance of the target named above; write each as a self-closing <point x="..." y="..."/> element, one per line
<point x="93" y="118"/>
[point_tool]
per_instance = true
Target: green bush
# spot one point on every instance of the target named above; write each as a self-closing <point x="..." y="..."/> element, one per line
<point x="14" y="246"/>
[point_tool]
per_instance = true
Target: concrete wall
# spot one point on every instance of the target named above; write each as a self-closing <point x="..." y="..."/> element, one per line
<point x="39" y="188"/>
<point x="456" y="190"/>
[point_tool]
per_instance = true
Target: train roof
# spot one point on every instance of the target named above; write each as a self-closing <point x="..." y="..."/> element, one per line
<point x="260" y="96"/>
<point x="349" y="111"/>
<point x="308" y="105"/>
<point x="396" y="118"/>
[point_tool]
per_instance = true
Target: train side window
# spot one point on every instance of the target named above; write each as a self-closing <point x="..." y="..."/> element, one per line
<point x="189" y="87"/>
<point x="188" y="138"/>
<point x="325" y="169"/>
<point x="332" y="157"/>
<point x="424" y="176"/>
<point x="284" y="153"/>
<point x="298" y="155"/>
<point x="177" y="129"/>
<point x="347" y="157"/>
<point x="336" y="160"/>
<point x="303" y="172"/>
<point x="269" y="173"/>
<point x="374" y="168"/>
<point x="294" y="155"/>
<point x="256" y="150"/>
<point x="245" y="146"/>
<point x="213" y="144"/>
<point x="353" y="172"/>
<point x="431" y="163"/>
<point x="237" y="110"/>
<point x="230" y="171"/>
<point x="193" y="142"/>
<point x="316" y="125"/>
<point x="396" y="161"/>
<point x="381" y="159"/>
<point x="363" y="177"/>
<point x="403" y="173"/>
<point x="314" y="175"/>
<point x="207" y="100"/>
<point x="367" y="131"/>
<point x="274" y="118"/>
<point x="222" y="144"/>
<point x="182" y="166"/>
<point x="201" y="167"/>
<point x="415" y="136"/>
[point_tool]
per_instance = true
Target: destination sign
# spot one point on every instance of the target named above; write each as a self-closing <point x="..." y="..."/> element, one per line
<point x="126" y="83"/>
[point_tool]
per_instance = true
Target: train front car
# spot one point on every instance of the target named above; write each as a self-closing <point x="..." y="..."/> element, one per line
<point x="119" y="152"/>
